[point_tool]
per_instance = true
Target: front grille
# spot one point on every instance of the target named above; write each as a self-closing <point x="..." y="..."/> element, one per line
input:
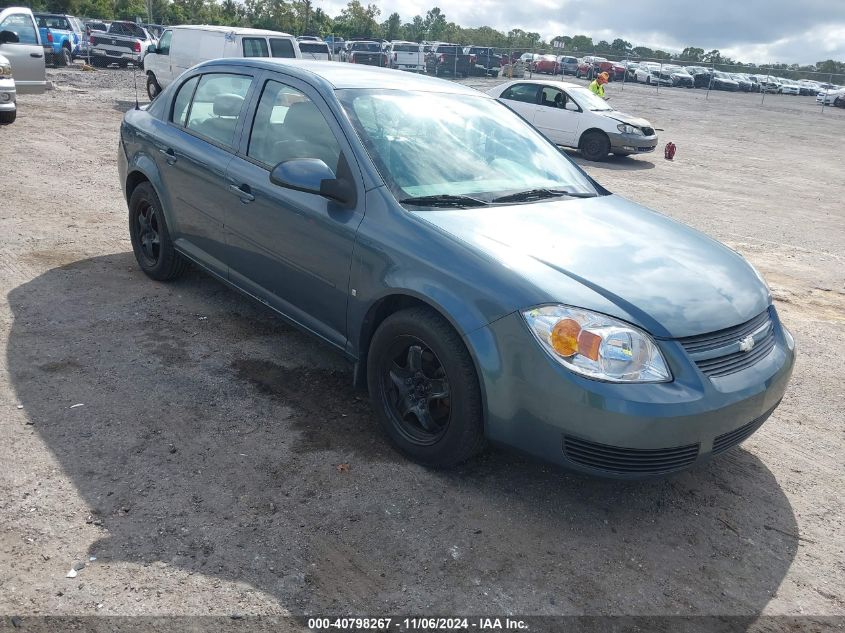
<point x="648" y="131"/>
<point x="737" y="436"/>
<point x="732" y="360"/>
<point x="614" y="459"/>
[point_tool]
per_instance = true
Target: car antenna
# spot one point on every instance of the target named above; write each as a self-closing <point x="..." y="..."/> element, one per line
<point x="135" y="81"/>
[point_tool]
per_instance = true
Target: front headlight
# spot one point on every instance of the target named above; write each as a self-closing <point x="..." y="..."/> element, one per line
<point x="629" y="129"/>
<point x="597" y="346"/>
<point x="5" y="70"/>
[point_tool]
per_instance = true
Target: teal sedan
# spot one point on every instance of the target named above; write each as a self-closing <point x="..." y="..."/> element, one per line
<point x="485" y="287"/>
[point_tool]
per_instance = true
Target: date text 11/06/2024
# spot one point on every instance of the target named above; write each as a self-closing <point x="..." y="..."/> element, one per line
<point x="417" y="624"/>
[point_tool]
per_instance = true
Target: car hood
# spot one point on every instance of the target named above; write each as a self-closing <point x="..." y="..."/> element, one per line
<point x="622" y="117"/>
<point x="613" y="256"/>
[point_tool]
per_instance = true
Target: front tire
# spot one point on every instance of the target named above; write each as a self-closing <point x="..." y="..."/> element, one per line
<point x="7" y="118"/>
<point x="595" y="146"/>
<point x="153" y="88"/>
<point x="151" y="241"/>
<point x="65" y="58"/>
<point x="424" y="388"/>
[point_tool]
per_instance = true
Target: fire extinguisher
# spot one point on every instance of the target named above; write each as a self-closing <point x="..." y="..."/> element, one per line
<point x="669" y="152"/>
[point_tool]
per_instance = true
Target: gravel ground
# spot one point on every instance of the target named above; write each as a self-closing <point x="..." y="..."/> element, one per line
<point x="216" y="461"/>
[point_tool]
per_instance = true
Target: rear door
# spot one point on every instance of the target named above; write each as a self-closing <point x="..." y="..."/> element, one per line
<point x="290" y="248"/>
<point x="522" y="98"/>
<point x="27" y="55"/>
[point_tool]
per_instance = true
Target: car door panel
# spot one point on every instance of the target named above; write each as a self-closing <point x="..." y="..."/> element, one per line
<point x="557" y="123"/>
<point x="27" y="55"/>
<point x="292" y="249"/>
<point x="193" y="167"/>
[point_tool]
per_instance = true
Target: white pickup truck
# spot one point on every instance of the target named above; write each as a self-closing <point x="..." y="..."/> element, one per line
<point x="124" y="42"/>
<point x="406" y="56"/>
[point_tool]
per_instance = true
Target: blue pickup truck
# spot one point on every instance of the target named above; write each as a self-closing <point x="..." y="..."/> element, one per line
<point x="62" y="37"/>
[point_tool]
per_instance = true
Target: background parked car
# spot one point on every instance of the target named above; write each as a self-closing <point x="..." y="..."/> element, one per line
<point x="367" y="52"/>
<point x="568" y="64"/>
<point x="832" y="97"/>
<point x="20" y="44"/>
<point x="547" y="64"/>
<point x="591" y="66"/>
<point x="679" y="76"/>
<point x="181" y="47"/>
<point x="58" y="37"/>
<point x="484" y="61"/>
<point x="123" y="43"/>
<point x="448" y="59"/>
<point x="406" y="56"/>
<point x="700" y="76"/>
<point x="8" y="94"/>
<point x="572" y="116"/>
<point x="314" y="49"/>
<point x="722" y="81"/>
<point x="789" y="87"/>
<point x="745" y="84"/>
<point x="769" y="84"/>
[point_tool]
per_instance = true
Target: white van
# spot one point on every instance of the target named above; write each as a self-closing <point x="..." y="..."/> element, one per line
<point x="182" y="47"/>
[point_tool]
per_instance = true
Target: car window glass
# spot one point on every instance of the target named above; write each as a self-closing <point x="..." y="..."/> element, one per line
<point x="526" y="93"/>
<point x="183" y="100"/>
<point x="282" y="48"/>
<point x="218" y="105"/>
<point x="164" y="43"/>
<point x="312" y="47"/>
<point x="289" y="125"/>
<point x="551" y="97"/>
<point x="21" y="25"/>
<point x="255" y="47"/>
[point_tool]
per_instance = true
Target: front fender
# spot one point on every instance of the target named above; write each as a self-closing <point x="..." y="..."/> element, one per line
<point x="140" y="162"/>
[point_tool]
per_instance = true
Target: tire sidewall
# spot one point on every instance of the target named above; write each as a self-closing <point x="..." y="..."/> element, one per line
<point x="145" y="194"/>
<point x="464" y="394"/>
<point x="153" y="88"/>
<point x="586" y="140"/>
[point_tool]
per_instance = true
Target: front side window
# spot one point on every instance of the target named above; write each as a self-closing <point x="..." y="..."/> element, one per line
<point x="164" y="43"/>
<point x="255" y="47"/>
<point x="552" y="98"/>
<point x="527" y="93"/>
<point x="21" y="25"/>
<point x="431" y="144"/>
<point x="282" y="48"/>
<point x="289" y="125"/>
<point x="217" y="106"/>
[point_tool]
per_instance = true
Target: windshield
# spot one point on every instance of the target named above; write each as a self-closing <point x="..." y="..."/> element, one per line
<point x="587" y="100"/>
<point x="434" y="144"/>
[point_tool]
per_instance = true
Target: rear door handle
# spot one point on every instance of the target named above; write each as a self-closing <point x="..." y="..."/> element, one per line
<point x="242" y="192"/>
<point x="169" y="155"/>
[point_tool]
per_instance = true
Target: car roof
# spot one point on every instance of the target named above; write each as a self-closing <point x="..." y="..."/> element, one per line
<point x="237" y="30"/>
<point x="339" y="75"/>
<point x="545" y="82"/>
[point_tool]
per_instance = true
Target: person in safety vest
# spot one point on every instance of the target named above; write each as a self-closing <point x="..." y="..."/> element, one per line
<point x="597" y="86"/>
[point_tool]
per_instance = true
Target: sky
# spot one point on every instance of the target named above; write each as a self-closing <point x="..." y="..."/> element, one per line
<point x="790" y="31"/>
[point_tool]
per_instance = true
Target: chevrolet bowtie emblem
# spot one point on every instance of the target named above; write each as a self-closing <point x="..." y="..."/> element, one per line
<point x="746" y="344"/>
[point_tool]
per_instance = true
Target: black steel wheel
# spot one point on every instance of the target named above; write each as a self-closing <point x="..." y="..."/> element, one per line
<point x="151" y="241"/>
<point x="425" y="389"/>
<point x="595" y="145"/>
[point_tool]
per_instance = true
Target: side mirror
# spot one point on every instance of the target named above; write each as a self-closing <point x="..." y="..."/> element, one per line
<point x="312" y="175"/>
<point x="9" y="37"/>
<point x="152" y="49"/>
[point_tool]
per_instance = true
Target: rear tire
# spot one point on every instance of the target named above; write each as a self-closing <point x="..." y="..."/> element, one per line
<point x="7" y="118"/>
<point x="424" y="388"/>
<point x="64" y="58"/>
<point x="595" y="146"/>
<point x="151" y="241"/>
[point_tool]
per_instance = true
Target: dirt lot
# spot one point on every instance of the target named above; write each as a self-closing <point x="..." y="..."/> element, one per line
<point x="190" y="441"/>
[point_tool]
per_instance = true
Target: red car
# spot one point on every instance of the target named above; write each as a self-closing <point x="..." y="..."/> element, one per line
<point x="591" y="66"/>
<point x="547" y="64"/>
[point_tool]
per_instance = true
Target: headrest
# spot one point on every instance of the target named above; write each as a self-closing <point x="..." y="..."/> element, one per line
<point x="228" y="104"/>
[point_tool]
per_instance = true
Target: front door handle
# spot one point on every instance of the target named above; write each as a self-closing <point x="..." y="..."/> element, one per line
<point x="36" y="55"/>
<point x="242" y="192"/>
<point x="169" y="155"/>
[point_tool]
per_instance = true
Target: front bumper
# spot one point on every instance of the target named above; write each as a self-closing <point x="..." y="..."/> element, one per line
<point x="534" y="404"/>
<point x="631" y="143"/>
<point x="8" y="95"/>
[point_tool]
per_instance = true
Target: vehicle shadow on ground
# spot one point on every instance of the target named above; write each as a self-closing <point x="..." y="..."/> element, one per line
<point x="219" y="440"/>
<point x="613" y="163"/>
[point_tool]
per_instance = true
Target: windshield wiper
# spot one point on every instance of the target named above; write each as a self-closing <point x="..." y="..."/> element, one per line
<point x="537" y="194"/>
<point x="444" y="200"/>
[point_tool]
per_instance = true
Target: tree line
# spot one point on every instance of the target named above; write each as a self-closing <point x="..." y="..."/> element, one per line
<point x="301" y="17"/>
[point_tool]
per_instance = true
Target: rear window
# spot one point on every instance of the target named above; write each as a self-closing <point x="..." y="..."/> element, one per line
<point x="406" y="48"/>
<point x="369" y="46"/>
<point x="284" y="48"/>
<point x="313" y="47"/>
<point x="449" y="50"/>
<point x="255" y="47"/>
